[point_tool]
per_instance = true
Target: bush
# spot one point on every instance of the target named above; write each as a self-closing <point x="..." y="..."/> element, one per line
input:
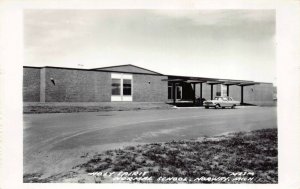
<point x="101" y="167"/>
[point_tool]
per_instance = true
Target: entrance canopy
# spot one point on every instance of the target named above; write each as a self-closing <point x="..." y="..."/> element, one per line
<point x="248" y="83"/>
<point x="210" y="81"/>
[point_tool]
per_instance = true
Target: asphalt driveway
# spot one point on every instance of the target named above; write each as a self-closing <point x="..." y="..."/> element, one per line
<point x="55" y="142"/>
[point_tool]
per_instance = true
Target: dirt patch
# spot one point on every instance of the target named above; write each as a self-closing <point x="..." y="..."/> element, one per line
<point x="251" y="155"/>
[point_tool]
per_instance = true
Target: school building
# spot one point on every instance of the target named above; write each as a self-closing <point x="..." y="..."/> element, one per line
<point x="134" y="84"/>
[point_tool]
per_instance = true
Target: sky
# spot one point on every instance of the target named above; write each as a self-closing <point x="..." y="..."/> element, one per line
<point x="227" y="44"/>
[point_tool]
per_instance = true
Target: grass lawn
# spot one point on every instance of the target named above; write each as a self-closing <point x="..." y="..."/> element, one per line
<point x="245" y="157"/>
<point x="56" y="107"/>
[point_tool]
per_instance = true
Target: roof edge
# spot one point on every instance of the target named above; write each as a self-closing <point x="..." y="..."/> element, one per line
<point x="95" y="70"/>
<point x="127" y="65"/>
<point x="156" y="73"/>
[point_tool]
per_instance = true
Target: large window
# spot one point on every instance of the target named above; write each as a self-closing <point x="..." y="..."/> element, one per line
<point x="121" y="87"/>
<point x="116" y="87"/>
<point x="126" y="86"/>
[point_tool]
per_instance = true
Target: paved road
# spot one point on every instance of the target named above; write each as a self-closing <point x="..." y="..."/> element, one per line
<point x="64" y="134"/>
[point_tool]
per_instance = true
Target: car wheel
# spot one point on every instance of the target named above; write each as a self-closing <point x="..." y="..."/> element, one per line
<point x="206" y="107"/>
<point x="233" y="106"/>
<point x="217" y="106"/>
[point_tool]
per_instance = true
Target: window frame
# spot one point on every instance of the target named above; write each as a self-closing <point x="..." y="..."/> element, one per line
<point x="121" y="97"/>
<point x="127" y="87"/>
<point x="113" y="87"/>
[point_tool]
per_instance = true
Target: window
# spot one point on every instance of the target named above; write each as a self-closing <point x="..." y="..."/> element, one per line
<point x="116" y="87"/>
<point x="126" y="86"/>
<point x="121" y="87"/>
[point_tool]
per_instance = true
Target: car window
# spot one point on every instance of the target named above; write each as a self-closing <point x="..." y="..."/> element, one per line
<point x="225" y="98"/>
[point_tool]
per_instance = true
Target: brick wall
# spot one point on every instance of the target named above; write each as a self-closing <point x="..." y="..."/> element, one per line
<point x="235" y="92"/>
<point x="261" y="94"/>
<point x="77" y="86"/>
<point x="31" y="84"/>
<point x="93" y="86"/>
<point x="149" y="88"/>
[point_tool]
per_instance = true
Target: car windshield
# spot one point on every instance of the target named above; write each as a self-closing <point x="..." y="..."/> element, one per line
<point x="218" y="98"/>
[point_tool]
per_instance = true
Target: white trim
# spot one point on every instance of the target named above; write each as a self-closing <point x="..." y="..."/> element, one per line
<point x="122" y="97"/>
<point x="116" y="98"/>
<point x="116" y="76"/>
<point x="127" y="76"/>
<point x="127" y="98"/>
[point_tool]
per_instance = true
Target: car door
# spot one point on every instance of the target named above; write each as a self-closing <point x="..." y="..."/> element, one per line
<point x="221" y="101"/>
<point x="225" y="101"/>
<point x="230" y="102"/>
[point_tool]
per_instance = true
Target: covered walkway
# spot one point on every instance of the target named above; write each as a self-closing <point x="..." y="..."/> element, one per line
<point x="198" y="81"/>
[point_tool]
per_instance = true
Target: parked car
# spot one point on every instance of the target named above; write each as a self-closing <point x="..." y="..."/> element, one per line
<point x="221" y="102"/>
